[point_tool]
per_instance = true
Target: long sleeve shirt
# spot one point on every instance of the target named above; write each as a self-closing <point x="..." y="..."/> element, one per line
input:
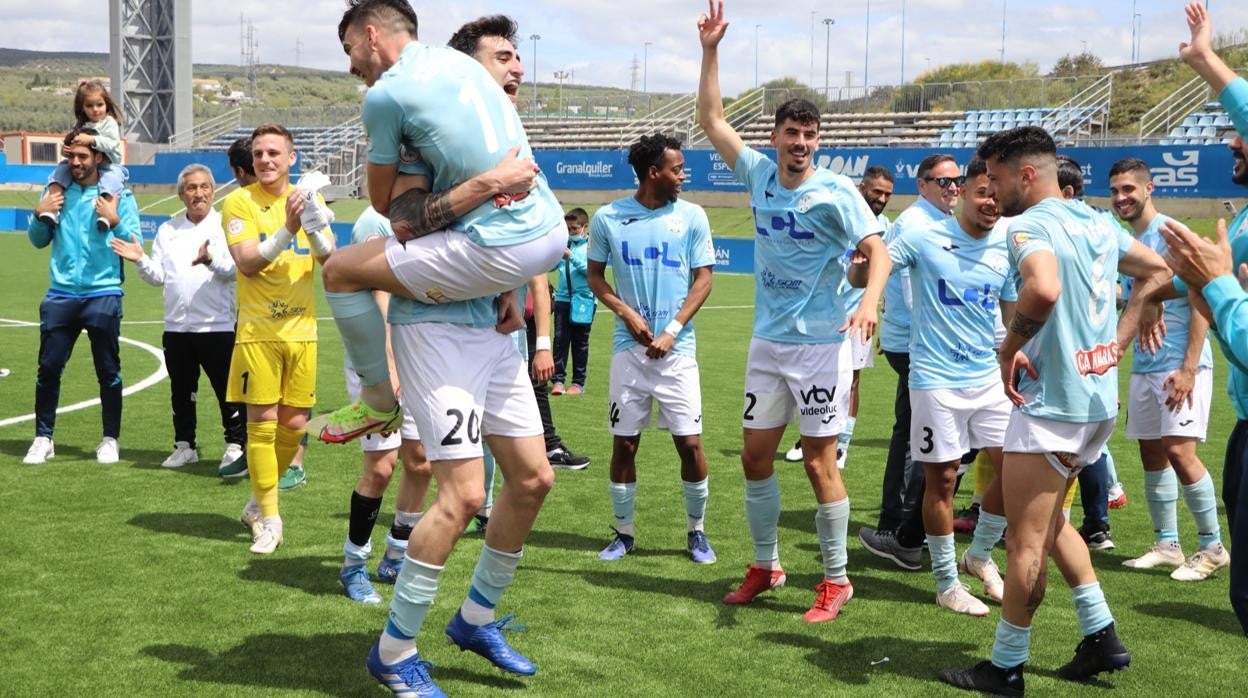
<point x="199" y="297"/>
<point x="83" y="264"/>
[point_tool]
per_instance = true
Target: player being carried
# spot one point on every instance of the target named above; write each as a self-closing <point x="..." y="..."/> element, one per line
<point x="806" y="219"/>
<point x="451" y="167"/>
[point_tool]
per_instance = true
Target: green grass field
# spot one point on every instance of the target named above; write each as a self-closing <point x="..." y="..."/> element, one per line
<point x="133" y="580"/>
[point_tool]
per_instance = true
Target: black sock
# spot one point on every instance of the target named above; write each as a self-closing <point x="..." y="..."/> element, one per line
<point x="363" y="515"/>
<point x="398" y="532"/>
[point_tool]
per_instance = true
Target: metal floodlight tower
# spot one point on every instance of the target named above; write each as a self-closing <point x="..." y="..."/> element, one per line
<point x="150" y="67"/>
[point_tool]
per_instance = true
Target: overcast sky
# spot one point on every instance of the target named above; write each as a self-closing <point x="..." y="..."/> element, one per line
<point x="598" y="40"/>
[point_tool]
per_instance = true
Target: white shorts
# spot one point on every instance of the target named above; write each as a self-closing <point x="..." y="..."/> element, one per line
<point x="1149" y="418"/>
<point x="814" y="378"/>
<point x="945" y="423"/>
<point x="637" y="380"/>
<point x="1068" y="446"/>
<point x="380" y="442"/>
<point x="463" y="383"/>
<point x="448" y="266"/>
<point x="862" y="353"/>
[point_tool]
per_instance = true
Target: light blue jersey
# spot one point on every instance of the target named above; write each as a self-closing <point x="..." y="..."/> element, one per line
<point x="851" y="296"/>
<point x="895" y="321"/>
<point x="958" y="284"/>
<point x="800" y="236"/>
<point x="442" y="106"/>
<point x="1075" y="353"/>
<point x="1178" y="316"/>
<point x="1234" y="99"/>
<point x="652" y="253"/>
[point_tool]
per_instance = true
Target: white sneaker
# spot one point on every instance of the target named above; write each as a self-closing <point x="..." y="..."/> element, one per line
<point x="251" y="517"/>
<point x="1168" y="553"/>
<point x="41" y="450"/>
<point x="794" y="455"/>
<point x="1203" y="563"/>
<point x="107" y="452"/>
<point x="269" y="537"/>
<point x="182" y="455"/>
<point x="985" y="571"/>
<point x="232" y="453"/>
<point x="958" y="599"/>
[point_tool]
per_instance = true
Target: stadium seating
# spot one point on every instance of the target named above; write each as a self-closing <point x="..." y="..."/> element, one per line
<point x="1206" y="127"/>
<point x="1066" y="124"/>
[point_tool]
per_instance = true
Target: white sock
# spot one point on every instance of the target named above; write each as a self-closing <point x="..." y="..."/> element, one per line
<point x="476" y="614"/>
<point x="393" y="650"/>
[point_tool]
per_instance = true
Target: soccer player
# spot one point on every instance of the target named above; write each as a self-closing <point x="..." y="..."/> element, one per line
<point x="453" y="125"/>
<point x="381" y="452"/>
<point x="959" y="270"/>
<point x="273" y="366"/>
<point x="805" y="219"/>
<point x="1216" y="293"/>
<point x="877" y="188"/>
<point x="1059" y="367"/>
<point x="940" y="182"/>
<point x="1168" y="404"/>
<point x="661" y="257"/>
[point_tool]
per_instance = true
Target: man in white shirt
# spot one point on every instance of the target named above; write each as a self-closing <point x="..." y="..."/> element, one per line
<point x="190" y="260"/>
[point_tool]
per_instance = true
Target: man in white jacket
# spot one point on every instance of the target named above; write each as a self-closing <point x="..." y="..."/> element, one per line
<point x="190" y="260"/>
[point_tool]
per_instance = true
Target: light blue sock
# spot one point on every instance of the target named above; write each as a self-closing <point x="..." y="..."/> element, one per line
<point x="987" y="532"/>
<point x="944" y="561"/>
<point x="1091" y="609"/>
<point x="832" y="524"/>
<point x="762" y="510"/>
<point x="623" y="499"/>
<point x="355" y="554"/>
<point x="848" y="434"/>
<point x="1203" y="504"/>
<point x="1111" y="473"/>
<point x="494" y="573"/>
<point x="363" y="333"/>
<point x="413" y="596"/>
<point x="1012" y="645"/>
<point x="490" y="466"/>
<point x="696" y="494"/>
<point x="1161" y="490"/>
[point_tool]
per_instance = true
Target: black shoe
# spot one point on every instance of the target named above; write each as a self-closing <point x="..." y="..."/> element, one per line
<point x="1100" y="651"/>
<point x="884" y="543"/>
<point x="561" y="457"/>
<point x="1097" y="537"/>
<point x="986" y="677"/>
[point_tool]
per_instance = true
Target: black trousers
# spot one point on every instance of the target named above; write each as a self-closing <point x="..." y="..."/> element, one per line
<point x="570" y="336"/>
<point x="1235" y="497"/>
<point x="185" y="354"/>
<point x="542" y="392"/>
<point x="902" y="490"/>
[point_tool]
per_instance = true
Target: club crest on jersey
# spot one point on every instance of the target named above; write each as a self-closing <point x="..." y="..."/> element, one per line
<point x="675" y="225"/>
<point x="1097" y="360"/>
<point x="1021" y="240"/>
<point x="235" y="226"/>
<point x="803" y="204"/>
<point x="501" y="200"/>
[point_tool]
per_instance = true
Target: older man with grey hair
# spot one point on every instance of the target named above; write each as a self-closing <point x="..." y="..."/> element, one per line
<point x="190" y="260"/>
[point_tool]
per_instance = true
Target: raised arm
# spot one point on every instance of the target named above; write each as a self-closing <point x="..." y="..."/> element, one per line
<point x="719" y="132"/>
<point x="1198" y="52"/>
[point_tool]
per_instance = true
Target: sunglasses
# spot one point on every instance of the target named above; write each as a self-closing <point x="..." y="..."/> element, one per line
<point x="944" y="182"/>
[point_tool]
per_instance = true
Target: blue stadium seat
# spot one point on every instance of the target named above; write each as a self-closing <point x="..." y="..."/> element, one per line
<point x="1191" y="120"/>
<point x="1222" y="121"/>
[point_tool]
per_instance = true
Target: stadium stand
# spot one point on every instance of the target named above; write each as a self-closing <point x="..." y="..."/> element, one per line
<point x="1206" y="127"/>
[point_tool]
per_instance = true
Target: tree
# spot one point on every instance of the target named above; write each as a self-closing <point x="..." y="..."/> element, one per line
<point x="1073" y="66"/>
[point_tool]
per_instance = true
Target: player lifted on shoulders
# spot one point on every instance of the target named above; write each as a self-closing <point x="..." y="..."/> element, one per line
<point x="805" y="220"/>
<point x="1059" y="365"/>
<point x="661" y="255"/>
<point x="451" y="167"/>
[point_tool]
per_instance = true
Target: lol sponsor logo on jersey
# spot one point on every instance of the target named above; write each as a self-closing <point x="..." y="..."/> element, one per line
<point x="1097" y="360"/>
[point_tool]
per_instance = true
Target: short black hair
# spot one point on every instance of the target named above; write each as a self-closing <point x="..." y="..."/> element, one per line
<point x="466" y="38"/>
<point x="240" y="156"/>
<point x="931" y="161"/>
<point x="397" y="14"/>
<point x="803" y="111"/>
<point x="648" y="152"/>
<point x="1070" y="174"/>
<point x="577" y="214"/>
<point x="975" y="168"/>
<point x="1126" y="165"/>
<point x="878" y="172"/>
<point x="1024" y="141"/>
<point x="80" y="131"/>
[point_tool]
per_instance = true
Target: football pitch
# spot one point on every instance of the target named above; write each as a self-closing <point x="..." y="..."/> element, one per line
<point x="135" y="580"/>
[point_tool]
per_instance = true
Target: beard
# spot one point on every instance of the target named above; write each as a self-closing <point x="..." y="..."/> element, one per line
<point x="1239" y="175"/>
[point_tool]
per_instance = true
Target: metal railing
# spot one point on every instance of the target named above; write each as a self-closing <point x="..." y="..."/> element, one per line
<point x="676" y="117"/>
<point x="1171" y="111"/>
<point x="747" y="108"/>
<point x="1078" y="116"/>
<point x="207" y="129"/>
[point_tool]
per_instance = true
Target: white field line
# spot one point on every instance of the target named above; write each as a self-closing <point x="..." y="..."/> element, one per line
<point x="144" y="384"/>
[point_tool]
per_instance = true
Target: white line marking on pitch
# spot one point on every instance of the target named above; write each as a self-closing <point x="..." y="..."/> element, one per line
<point x="144" y="384"/>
